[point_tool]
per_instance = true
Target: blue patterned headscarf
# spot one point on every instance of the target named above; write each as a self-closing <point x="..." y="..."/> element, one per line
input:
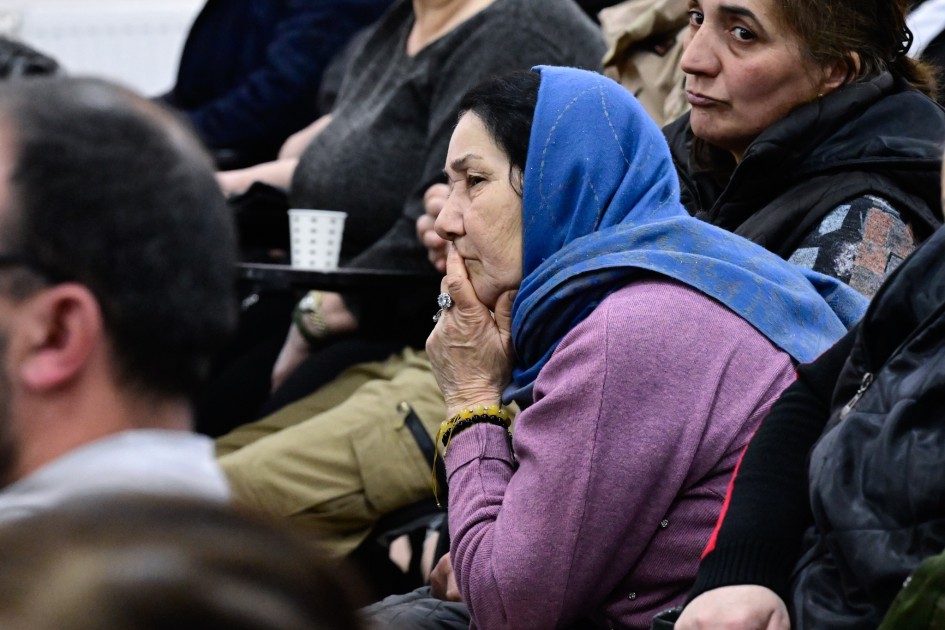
<point x="601" y="203"/>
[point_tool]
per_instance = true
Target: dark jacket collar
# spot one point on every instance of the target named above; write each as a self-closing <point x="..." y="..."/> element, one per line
<point x="871" y="137"/>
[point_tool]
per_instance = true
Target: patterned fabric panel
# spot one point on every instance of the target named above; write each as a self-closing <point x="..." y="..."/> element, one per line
<point x="859" y="243"/>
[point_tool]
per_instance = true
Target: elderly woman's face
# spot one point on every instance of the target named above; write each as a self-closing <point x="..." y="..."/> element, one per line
<point x="744" y="71"/>
<point x="483" y="213"/>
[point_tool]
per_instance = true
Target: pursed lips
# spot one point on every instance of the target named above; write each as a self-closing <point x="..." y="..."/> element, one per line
<point x="466" y="260"/>
<point x="459" y="249"/>
<point x="700" y="100"/>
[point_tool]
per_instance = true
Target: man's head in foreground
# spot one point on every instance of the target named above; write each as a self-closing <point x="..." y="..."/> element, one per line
<point x="116" y="268"/>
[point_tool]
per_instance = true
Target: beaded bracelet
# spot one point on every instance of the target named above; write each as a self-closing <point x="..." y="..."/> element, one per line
<point x="493" y="414"/>
<point x="468" y="422"/>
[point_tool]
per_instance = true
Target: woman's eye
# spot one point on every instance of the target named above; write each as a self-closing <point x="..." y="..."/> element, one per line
<point x="742" y="34"/>
<point x="472" y="180"/>
<point x="695" y="17"/>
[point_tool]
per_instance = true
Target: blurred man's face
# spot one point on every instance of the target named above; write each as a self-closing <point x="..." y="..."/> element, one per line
<point x="8" y="444"/>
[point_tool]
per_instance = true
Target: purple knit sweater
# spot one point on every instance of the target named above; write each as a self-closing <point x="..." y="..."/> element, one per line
<point x="639" y="419"/>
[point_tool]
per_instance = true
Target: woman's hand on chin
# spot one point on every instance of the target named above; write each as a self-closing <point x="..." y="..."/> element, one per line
<point x="470" y="349"/>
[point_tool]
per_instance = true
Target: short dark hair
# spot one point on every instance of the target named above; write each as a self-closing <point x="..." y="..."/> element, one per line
<point x="506" y="105"/>
<point x="109" y="190"/>
<point x="148" y="563"/>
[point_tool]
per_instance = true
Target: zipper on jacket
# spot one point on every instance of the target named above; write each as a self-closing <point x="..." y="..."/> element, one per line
<point x="864" y="385"/>
<point x="869" y="376"/>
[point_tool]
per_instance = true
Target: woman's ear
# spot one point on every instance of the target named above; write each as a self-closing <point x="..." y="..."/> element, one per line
<point x="842" y="71"/>
<point x="517" y="179"/>
<point x="61" y="329"/>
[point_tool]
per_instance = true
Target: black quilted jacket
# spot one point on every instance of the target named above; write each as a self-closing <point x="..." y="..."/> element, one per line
<point x="877" y="475"/>
<point x="835" y="534"/>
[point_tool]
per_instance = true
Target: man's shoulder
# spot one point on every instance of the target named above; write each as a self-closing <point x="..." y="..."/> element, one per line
<point x="158" y="462"/>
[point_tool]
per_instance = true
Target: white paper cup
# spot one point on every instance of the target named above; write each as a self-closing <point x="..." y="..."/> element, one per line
<point x="315" y="237"/>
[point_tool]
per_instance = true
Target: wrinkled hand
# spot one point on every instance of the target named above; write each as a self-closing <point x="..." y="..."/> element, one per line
<point x="433" y="201"/>
<point x="443" y="581"/>
<point x="742" y="607"/>
<point x="470" y="350"/>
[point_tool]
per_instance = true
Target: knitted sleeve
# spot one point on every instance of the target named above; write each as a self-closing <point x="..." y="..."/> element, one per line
<point x="505" y="43"/>
<point x="759" y="533"/>
<point x="859" y="243"/>
<point x="623" y="459"/>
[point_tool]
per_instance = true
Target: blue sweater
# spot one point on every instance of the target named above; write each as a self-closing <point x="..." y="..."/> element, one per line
<point x="250" y="70"/>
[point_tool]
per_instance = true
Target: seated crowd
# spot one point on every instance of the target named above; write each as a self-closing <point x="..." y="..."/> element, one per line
<point x="680" y="372"/>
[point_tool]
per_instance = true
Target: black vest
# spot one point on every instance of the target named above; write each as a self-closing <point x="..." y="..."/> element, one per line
<point x="876" y="137"/>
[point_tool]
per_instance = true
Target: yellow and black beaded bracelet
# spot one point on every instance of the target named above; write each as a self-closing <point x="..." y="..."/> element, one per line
<point x="493" y="414"/>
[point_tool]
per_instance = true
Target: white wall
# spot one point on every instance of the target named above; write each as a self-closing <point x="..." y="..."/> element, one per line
<point x="136" y="42"/>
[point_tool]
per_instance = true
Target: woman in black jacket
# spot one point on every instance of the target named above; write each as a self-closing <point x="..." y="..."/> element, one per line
<point x="830" y="160"/>
<point x="840" y="494"/>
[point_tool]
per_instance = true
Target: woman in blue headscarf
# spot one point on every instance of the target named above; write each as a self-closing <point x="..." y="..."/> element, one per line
<point x="643" y="345"/>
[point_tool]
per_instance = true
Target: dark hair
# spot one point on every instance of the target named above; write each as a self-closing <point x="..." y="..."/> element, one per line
<point x="144" y="563"/>
<point x="506" y="105"/>
<point x="874" y="29"/>
<point x="109" y="191"/>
